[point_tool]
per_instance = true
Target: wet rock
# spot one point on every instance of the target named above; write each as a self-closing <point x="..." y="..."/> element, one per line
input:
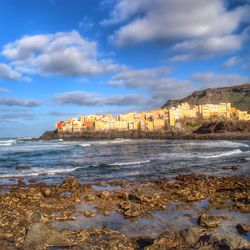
<point x="124" y="196"/>
<point x="243" y="228"/>
<point x="21" y="182"/>
<point x="228" y="241"/>
<point x="23" y="168"/>
<point x="101" y="238"/>
<point x="46" y="192"/>
<point x="88" y="214"/>
<point x="230" y="168"/>
<point x="208" y="221"/>
<point x="191" y="235"/>
<point x="167" y="240"/>
<point x="70" y="183"/>
<point x="40" y="236"/>
<point x="103" y="194"/>
<point x="90" y="197"/>
<point x="131" y="209"/>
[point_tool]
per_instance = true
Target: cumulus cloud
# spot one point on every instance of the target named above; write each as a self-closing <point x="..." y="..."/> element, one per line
<point x="210" y="79"/>
<point x="7" y="73"/>
<point x="208" y="47"/>
<point x="8" y="101"/>
<point x="205" y="27"/>
<point x="93" y="99"/>
<point x="155" y="81"/>
<point x="63" y="53"/>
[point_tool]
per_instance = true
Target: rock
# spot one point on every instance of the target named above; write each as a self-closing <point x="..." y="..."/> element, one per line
<point x="23" y="168"/>
<point x="243" y="228"/>
<point x="46" y="192"/>
<point x="104" y="194"/>
<point x="21" y="182"/>
<point x="102" y="238"/>
<point x="90" y="197"/>
<point x="168" y="240"/>
<point x="228" y="241"/>
<point x="131" y="209"/>
<point x="89" y="214"/>
<point x="191" y="235"/>
<point x="40" y="236"/>
<point x="208" y="221"/>
<point x="230" y="168"/>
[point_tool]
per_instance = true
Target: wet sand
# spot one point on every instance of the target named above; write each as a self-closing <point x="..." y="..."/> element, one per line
<point x="187" y="212"/>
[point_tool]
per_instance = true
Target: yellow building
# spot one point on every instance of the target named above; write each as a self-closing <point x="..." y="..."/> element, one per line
<point x="149" y="125"/>
<point x="242" y="115"/>
<point x="159" y="124"/>
<point x="101" y="125"/>
<point x="172" y="117"/>
<point x="209" y="110"/>
<point x="187" y="111"/>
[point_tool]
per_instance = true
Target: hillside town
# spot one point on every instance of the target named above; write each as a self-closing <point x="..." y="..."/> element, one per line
<point x="151" y="120"/>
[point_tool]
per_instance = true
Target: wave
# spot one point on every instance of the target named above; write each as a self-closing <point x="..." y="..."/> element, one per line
<point x="129" y="163"/>
<point x="214" y="144"/>
<point x="193" y="155"/>
<point x="84" y="145"/>
<point x="40" y="172"/>
<point x="5" y="143"/>
<point x="115" y="141"/>
<point x="229" y="153"/>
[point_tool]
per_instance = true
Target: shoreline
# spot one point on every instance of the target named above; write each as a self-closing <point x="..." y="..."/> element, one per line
<point x="127" y="214"/>
<point x="156" y="135"/>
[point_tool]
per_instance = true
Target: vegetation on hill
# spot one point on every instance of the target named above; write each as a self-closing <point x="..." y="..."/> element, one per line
<point x="239" y="96"/>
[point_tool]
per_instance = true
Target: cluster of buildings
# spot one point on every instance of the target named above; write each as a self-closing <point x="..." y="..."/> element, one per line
<point x="151" y="120"/>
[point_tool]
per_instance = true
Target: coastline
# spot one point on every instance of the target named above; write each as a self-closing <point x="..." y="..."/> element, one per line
<point x="156" y="135"/>
<point x="128" y="215"/>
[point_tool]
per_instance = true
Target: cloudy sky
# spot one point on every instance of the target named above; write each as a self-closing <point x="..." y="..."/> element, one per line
<point x="64" y="58"/>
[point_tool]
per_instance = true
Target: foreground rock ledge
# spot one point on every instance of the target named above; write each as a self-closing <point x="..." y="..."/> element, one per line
<point x="27" y="213"/>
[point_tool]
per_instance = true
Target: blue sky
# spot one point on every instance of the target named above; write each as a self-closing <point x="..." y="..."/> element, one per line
<point x="64" y="58"/>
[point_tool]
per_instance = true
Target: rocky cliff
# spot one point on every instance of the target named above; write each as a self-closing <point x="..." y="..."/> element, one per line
<point x="238" y="95"/>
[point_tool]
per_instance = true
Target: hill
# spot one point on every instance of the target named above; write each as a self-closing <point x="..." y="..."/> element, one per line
<point x="239" y="96"/>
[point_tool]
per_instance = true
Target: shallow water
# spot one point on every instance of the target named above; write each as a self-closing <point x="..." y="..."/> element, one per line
<point x="51" y="161"/>
<point x="177" y="216"/>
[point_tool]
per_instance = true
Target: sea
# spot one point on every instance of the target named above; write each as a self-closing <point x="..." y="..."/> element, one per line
<point x="119" y="159"/>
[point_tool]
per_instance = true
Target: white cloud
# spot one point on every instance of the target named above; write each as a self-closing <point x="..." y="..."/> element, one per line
<point x="207" y="27"/>
<point x="175" y="19"/>
<point x="210" y="79"/>
<point x="232" y="61"/>
<point x="208" y="47"/>
<point x="63" y="53"/>
<point x="9" y="101"/>
<point x="155" y="81"/>
<point x="7" y="73"/>
<point x="93" y="99"/>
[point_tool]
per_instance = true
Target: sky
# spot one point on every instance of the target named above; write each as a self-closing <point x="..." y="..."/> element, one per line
<point x="66" y="58"/>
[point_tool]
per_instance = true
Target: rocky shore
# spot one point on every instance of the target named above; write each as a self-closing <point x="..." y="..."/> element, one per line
<point x="73" y="215"/>
<point x="157" y="135"/>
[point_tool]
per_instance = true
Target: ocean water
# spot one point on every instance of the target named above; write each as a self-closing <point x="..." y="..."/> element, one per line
<point x="120" y="159"/>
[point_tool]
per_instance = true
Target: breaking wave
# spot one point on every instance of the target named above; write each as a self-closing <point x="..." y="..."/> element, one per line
<point x="5" y="143"/>
<point x="212" y="144"/>
<point x="40" y="172"/>
<point x="129" y="163"/>
<point x="84" y="145"/>
<point x="229" y="153"/>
